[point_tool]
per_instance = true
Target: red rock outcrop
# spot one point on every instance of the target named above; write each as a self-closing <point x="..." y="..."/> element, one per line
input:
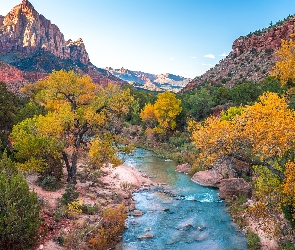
<point x="234" y="187"/>
<point x="34" y="47"/>
<point x="12" y="76"/>
<point x="251" y="59"/>
<point x="24" y="30"/>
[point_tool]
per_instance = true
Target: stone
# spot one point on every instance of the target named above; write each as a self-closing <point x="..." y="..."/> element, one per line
<point x="145" y="236"/>
<point x="137" y="213"/>
<point x="207" y="178"/>
<point x="234" y="187"/>
<point x="183" y="168"/>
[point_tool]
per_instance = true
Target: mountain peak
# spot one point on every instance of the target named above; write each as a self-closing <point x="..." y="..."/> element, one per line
<point x="25" y="31"/>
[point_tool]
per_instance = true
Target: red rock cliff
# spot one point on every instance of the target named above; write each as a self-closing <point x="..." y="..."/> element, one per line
<point x="25" y="30"/>
<point x="251" y="59"/>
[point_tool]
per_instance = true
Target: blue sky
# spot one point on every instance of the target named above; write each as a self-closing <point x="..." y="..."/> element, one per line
<point x="182" y="37"/>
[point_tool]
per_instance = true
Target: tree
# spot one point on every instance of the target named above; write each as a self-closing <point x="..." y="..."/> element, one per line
<point x="19" y="209"/>
<point x="254" y="136"/>
<point x="148" y="116"/>
<point x="166" y="109"/>
<point x="8" y="111"/>
<point x="284" y="70"/>
<point x="77" y="112"/>
<point x="261" y="135"/>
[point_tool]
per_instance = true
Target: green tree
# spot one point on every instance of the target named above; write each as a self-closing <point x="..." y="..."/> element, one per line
<point x="8" y="111"/>
<point x="19" y="209"/>
<point x="78" y="111"/>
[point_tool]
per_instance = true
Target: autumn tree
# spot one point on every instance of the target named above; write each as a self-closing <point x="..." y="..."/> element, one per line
<point x="284" y="69"/>
<point x="261" y="135"/>
<point x="162" y="115"/>
<point x="79" y="115"/>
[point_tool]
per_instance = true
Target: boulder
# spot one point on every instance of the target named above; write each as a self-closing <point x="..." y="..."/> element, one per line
<point x="145" y="236"/>
<point x="207" y="178"/>
<point x="183" y="168"/>
<point x="137" y="213"/>
<point x="234" y="187"/>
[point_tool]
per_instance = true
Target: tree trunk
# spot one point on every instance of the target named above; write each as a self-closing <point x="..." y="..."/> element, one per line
<point x="71" y="168"/>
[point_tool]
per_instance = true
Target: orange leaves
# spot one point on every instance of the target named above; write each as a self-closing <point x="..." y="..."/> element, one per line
<point x="263" y="130"/>
<point x="166" y="109"/>
<point x="148" y="115"/>
<point x="285" y="68"/>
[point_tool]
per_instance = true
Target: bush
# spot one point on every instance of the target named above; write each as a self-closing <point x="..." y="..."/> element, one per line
<point x="287" y="246"/>
<point x="50" y="183"/>
<point x="70" y="194"/>
<point x="112" y="227"/>
<point x="19" y="209"/>
<point x="253" y="241"/>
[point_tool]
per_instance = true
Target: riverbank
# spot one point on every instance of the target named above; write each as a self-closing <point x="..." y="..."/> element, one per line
<point x="115" y="186"/>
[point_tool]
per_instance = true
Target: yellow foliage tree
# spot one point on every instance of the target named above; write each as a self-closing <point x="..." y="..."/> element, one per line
<point x="262" y="135"/>
<point x="148" y="116"/>
<point x="160" y="117"/>
<point x="167" y="107"/>
<point x="77" y="111"/>
<point x="284" y="69"/>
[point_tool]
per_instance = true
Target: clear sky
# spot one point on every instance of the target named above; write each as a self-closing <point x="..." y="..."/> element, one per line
<point x="182" y="37"/>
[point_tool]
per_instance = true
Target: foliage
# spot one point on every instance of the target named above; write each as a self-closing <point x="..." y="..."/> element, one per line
<point x="111" y="227"/>
<point x="255" y="136"/>
<point x="245" y="93"/>
<point x="74" y="208"/>
<point x="284" y="68"/>
<point x="287" y="246"/>
<point x="253" y="241"/>
<point x="8" y="112"/>
<point x="160" y="118"/>
<point x="69" y="195"/>
<point x="89" y="209"/>
<point x="19" y="209"/>
<point x="77" y="111"/>
<point x="102" y="150"/>
<point x="50" y="183"/>
<point x="231" y="113"/>
<point x="34" y="150"/>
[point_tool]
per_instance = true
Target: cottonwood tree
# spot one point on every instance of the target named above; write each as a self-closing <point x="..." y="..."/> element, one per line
<point x="162" y="115"/>
<point x="284" y="69"/>
<point x="261" y="135"/>
<point x="80" y="115"/>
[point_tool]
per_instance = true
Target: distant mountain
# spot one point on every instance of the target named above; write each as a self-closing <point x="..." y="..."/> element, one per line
<point x="32" y="44"/>
<point x="251" y="59"/>
<point x="149" y="81"/>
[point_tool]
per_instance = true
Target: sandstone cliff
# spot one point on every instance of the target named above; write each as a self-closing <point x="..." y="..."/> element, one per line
<point x="26" y="31"/>
<point x="35" y="46"/>
<point x="251" y="58"/>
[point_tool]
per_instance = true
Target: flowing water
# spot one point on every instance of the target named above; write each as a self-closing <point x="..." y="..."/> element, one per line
<point x="180" y="214"/>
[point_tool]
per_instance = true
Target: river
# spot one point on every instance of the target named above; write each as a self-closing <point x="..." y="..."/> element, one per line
<point x="180" y="214"/>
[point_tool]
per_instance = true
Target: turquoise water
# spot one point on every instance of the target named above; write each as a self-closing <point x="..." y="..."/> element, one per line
<point x="179" y="214"/>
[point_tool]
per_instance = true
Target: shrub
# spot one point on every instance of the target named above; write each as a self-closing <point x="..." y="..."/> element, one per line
<point x="74" y="208"/>
<point x="70" y="194"/>
<point x="112" y="227"/>
<point x="50" y="183"/>
<point x="253" y="241"/>
<point x="19" y="209"/>
<point x="89" y="209"/>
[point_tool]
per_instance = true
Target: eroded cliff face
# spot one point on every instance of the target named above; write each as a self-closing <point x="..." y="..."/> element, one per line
<point x="24" y="30"/>
<point x="31" y="47"/>
<point x="251" y="59"/>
